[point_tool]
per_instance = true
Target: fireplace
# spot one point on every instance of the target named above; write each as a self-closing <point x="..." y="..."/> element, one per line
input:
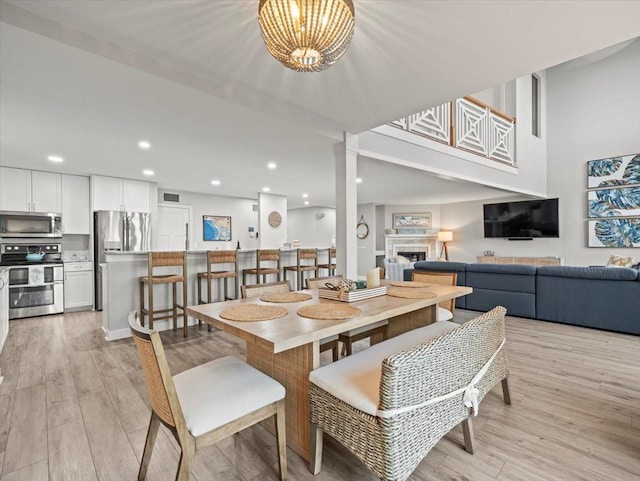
<point x="413" y="247"/>
<point x="413" y="256"/>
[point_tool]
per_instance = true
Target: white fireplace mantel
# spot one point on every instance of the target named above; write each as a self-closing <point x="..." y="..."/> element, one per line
<point x="394" y="243"/>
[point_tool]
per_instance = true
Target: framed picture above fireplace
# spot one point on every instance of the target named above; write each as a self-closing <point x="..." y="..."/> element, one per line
<point x="414" y="223"/>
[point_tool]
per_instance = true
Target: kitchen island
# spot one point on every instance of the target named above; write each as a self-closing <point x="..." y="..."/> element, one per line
<point x="121" y="293"/>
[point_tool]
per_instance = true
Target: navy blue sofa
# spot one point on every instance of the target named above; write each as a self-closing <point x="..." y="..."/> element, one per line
<point x="597" y="297"/>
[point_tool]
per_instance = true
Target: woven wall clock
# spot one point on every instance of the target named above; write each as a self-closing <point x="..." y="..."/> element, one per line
<point x="275" y="219"/>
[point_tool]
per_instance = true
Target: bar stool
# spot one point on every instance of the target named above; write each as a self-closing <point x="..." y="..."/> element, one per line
<point x="165" y="259"/>
<point x="301" y="267"/>
<point x="330" y="266"/>
<point x="218" y="257"/>
<point x="263" y="255"/>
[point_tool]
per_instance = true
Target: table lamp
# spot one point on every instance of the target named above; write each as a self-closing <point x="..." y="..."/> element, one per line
<point x="445" y="236"/>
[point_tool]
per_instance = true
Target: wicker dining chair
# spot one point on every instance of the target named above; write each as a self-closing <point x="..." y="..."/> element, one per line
<point x="205" y="404"/>
<point x="347" y="338"/>
<point x="256" y="290"/>
<point x="392" y="416"/>
<point x="445" y="308"/>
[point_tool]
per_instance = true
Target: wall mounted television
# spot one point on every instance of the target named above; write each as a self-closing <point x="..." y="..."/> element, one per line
<point x="522" y="220"/>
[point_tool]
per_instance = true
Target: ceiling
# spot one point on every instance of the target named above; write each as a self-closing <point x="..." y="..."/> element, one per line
<point x="88" y="80"/>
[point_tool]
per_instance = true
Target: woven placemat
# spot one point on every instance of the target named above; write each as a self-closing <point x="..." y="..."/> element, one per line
<point x="253" y="312"/>
<point x="420" y="293"/>
<point x="285" y="297"/>
<point x="409" y="284"/>
<point x="329" y="311"/>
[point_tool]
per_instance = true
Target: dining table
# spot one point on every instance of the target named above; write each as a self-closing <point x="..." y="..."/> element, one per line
<point x="288" y="348"/>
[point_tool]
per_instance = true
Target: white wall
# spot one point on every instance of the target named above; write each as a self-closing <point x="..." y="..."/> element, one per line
<point x="272" y="237"/>
<point x="312" y="226"/>
<point x="367" y="246"/>
<point x="592" y="114"/>
<point x="240" y="210"/>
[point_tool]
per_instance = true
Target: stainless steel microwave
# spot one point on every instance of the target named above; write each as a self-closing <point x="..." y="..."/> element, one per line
<point x="30" y="224"/>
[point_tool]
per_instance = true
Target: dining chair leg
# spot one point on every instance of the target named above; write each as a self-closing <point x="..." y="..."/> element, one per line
<point x="281" y="428"/>
<point x="152" y="432"/>
<point x="505" y="391"/>
<point x="186" y="461"/>
<point x="315" y="452"/>
<point x="142" y="304"/>
<point x="467" y="431"/>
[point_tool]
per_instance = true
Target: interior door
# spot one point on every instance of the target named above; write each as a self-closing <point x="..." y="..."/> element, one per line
<point x="172" y="227"/>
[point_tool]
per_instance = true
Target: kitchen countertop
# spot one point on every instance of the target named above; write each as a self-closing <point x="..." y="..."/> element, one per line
<point x="241" y="251"/>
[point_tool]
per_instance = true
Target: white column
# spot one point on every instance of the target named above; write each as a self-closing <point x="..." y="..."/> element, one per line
<point x="272" y="237"/>
<point x="346" y="206"/>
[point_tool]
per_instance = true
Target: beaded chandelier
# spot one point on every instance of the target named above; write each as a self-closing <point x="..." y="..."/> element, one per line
<point x="306" y="35"/>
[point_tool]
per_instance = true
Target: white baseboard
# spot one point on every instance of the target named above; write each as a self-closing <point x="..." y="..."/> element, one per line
<point x="115" y="334"/>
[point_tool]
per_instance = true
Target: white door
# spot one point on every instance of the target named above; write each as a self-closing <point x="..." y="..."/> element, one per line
<point x="171" y="227"/>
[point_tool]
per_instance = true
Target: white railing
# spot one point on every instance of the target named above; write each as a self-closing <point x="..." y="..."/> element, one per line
<point x="466" y="124"/>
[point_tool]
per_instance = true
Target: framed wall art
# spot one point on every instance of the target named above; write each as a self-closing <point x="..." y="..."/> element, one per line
<point x="620" y="202"/>
<point x="613" y="201"/>
<point x="216" y="227"/>
<point x="412" y="223"/>
<point x="613" y="172"/>
<point x="614" y="232"/>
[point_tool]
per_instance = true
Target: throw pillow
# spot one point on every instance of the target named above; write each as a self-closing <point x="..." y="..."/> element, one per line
<point x="620" y="261"/>
<point x="402" y="260"/>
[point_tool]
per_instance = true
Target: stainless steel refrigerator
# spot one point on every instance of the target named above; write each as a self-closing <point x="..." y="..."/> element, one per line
<point x="117" y="231"/>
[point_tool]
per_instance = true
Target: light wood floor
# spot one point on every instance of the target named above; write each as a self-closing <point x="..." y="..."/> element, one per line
<point x="74" y="407"/>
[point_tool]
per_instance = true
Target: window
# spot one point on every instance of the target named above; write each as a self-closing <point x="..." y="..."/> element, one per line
<point x="535" y="106"/>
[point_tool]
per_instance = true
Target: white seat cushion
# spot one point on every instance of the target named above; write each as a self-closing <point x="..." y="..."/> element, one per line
<point x="356" y="379"/>
<point x="444" y="314"/>
<point x="221" y="391"/>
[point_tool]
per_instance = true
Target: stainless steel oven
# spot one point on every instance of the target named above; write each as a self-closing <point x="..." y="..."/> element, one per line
<point x="36" y="286"/>
<point x="30" y="224"/>
<point x="36" y="290"/>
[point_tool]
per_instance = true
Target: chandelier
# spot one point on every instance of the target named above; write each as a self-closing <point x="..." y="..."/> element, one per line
<point x="306" y="35"/>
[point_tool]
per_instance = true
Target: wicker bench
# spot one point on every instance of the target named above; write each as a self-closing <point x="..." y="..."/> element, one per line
<point x="391" y="403"/>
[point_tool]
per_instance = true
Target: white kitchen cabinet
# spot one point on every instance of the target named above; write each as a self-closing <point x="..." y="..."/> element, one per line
<point x="30" y="190"/>
<point x="111" y="193"/>
<point x="78" y="285"/>
<point x="76" y="212"/>
<point x="4" y="306"/>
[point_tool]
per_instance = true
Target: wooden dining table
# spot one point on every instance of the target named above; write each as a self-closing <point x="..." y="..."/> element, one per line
<point x="288" y="348"/>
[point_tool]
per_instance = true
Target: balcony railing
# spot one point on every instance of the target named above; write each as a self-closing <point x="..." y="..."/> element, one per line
<point x="466" y="124"/>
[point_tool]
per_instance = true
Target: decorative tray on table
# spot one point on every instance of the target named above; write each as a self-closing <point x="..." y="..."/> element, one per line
<point x="352" y="296"/>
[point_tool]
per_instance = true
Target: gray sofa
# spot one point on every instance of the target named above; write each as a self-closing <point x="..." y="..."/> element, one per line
<point x="597" y="297"/>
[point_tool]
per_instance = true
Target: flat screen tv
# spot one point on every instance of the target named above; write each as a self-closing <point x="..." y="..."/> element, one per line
<point x="522" y="220"/>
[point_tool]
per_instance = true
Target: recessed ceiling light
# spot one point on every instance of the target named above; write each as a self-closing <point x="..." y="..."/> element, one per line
<point x="144" y="145"/>
<point x="215" y="182"/>
<point x="272" y="165"/>
<point x="148" y="172"/>
<point x="55" y="158"/>
<point x="306" y="202"/>
<point x="358" y="180"/>
<point x="304" y="196"/>
<point x="266" y="189"/>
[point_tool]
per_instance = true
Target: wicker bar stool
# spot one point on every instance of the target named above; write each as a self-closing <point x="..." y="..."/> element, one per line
<point x="302" y="256"/>
<point x="165" y="259"/>
<point x="263" y="255"/>
<point x="330" y="266"/>
<point x="218" y="257"/>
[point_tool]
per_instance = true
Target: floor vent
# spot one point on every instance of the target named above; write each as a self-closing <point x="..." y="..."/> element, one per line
<point x="167" y="197"/>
